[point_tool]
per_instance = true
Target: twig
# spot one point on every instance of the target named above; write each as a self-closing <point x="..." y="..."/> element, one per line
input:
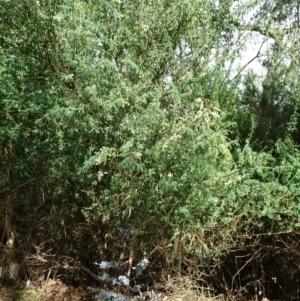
<point x="44" y="288"/>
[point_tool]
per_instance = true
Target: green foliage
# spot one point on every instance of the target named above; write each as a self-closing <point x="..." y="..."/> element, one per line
<point x="121" y="115"/>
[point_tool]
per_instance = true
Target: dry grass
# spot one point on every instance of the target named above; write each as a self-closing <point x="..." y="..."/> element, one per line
<point x="184" y="288"/>
<point x="49" y="291"/>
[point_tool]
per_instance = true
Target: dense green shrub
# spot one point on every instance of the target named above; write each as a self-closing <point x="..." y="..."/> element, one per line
<point x="123" y="134"/>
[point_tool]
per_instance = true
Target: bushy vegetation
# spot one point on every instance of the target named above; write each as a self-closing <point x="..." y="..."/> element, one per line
<point x="126" y="132"/>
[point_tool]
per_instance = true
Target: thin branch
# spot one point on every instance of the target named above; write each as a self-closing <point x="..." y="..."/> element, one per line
<point x="258" y="54"/>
